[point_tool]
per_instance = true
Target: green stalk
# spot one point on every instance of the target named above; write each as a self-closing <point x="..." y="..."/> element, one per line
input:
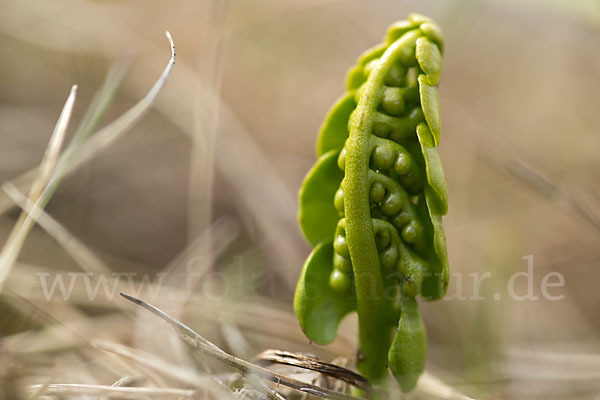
<point x="372" y="307"/>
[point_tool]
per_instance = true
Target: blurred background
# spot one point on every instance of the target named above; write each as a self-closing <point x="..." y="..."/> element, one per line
<point x="200" y="195"/>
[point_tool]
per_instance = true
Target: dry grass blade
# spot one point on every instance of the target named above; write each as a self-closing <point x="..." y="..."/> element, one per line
<point x="37" y="391"/>
<point x="544" y="185"/>
<point x="58" y="389"/>
<point x="86" y="259"/>
<point x="271" y="394"/>
<point x="15" y="241"/>
<point x="55" y="145"/>
<point x="206" y="117"/>
<point x="314" y="364"/>
<point x="23" y="182"/>
<point x="195" y="340"/>
<point x="183" y="375"/>
<point x="435" y="387"/>
<point x="124" y="381"/>
<point x="102" y="99"/>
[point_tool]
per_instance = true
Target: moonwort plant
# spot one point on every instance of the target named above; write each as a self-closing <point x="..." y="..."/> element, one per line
<point x="373" y="203"/>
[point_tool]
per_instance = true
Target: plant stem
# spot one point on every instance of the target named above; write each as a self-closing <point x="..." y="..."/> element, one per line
<point x="373" y="308"/>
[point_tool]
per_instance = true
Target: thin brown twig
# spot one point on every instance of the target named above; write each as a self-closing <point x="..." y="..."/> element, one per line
<point x="314" y="364"/>
<point x="195" y="340"/>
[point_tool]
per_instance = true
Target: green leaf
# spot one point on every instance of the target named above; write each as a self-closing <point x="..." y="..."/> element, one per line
<point x="424" y="135"/>
<point x="433" y="32"/>
<point x="397" y="29"/>
<point x="334" y="131"/>
<point x="318" y="216"/>
<point x="318" y="306"/>
<point x="435" y="174"/>
<point x="435" y="285"/>
<point x="406" y="357"/>
<point x="371" y="54"/>
<point x="430" y="59"/>
<point x="356" y="76"/>
<point x="418" y="19"/>
<point x="431" y="107"/>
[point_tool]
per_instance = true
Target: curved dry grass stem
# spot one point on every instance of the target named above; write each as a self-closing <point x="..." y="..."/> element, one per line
<point x="195" y="340"/>
<point x="76" y="156"/>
